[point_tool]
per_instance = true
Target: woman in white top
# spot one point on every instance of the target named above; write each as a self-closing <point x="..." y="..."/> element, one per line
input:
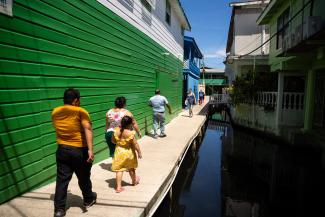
<point x="113" y="120"/>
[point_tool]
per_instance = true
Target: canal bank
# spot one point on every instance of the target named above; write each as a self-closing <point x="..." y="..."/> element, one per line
<point x="235" y="173"/>
<point x="158" y="168"/>
<point x="313" y="140"/>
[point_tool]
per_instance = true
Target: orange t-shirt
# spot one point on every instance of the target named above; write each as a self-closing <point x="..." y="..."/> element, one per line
<point x="67" y="121"/>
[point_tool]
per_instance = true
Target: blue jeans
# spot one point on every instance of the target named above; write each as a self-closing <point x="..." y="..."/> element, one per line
<point x="159" y="119"/>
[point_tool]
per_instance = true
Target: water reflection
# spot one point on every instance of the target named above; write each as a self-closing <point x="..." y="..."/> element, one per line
<point x="267" y="179"/>
<point x="237" y="174"/>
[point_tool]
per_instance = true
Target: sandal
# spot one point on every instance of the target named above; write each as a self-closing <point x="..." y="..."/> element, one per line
<point x="137" y="181"/>
<point x="119" y="190"/>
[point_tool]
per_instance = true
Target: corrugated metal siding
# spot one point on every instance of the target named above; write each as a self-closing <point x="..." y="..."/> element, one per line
<point x="48" y="46"/>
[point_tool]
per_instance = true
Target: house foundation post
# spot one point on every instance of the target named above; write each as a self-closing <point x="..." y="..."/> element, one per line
<point x="309" y="100"/>
<point x="279" y="100"/>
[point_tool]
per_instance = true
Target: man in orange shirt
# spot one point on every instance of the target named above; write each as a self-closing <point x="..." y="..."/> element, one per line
<point x="74" y="137"/>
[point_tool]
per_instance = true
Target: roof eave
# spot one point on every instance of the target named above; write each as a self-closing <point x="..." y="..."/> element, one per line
<point x="247" y="3"/>
<point x="230" y="31"/>
<point x="181" y="14"/>
<point x="192" y="40"/>
<point x="266" y="14"/>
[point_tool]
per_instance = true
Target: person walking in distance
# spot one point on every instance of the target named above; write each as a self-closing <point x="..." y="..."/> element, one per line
<point x="158" y="103"/>
<point x="190" y="102"/>
<point x="74" y="137"/>
<point x="201" y="97"/>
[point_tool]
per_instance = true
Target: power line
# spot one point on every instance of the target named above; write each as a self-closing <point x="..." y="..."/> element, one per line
<point x="275" y="34"/>
<point x="251" y="43"/>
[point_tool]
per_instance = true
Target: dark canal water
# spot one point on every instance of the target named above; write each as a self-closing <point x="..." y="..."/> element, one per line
<point x="234" y="173"/>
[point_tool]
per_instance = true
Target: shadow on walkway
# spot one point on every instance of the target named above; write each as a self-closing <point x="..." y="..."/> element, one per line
<point x="112" y="183"/>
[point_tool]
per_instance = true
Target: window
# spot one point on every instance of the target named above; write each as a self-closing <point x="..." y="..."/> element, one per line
<point x="152" y="3"/>
<point x="128" y="4"/>
<point x="282" y="28"/>
<point x="146" y="12"/>
<point x="6" y="7"/>
<point x="168" y="12"/>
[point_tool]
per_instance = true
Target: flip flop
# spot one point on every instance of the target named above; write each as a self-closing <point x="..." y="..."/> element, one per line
<point x="119" y="190"/>
<point x="137" y="181"/>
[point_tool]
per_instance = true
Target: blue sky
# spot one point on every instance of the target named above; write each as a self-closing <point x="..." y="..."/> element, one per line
<point x="210" y="22"/>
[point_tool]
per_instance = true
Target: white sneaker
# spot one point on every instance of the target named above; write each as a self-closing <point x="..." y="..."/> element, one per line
<point x="163" y="135"/>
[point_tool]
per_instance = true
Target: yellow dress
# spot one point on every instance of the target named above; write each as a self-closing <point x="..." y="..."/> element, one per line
<point x="125" y="157"/>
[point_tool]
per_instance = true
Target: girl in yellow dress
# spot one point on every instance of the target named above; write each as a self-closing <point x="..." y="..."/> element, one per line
<point x="125" y="158"/>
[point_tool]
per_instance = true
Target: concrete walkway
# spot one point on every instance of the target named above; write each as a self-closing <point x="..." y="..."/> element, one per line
<point x="157" y="170"/>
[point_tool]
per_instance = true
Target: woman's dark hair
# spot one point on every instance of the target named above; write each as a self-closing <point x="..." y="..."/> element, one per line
<point x="120" y="102"/>
<point x="125" y="122"/>
<point x="70" y="95"/>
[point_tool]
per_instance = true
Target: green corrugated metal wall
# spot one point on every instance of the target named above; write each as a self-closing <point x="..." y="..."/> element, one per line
<point x="48" y="46"/>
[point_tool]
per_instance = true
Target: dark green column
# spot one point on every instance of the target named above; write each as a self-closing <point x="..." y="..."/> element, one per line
<point x="309" y="100"/>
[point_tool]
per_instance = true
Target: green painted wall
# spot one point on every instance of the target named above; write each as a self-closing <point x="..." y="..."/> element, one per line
<point x="275" y="62"/>
<point x="305" y="62"/>
<point x="47" y="47"/>
<point x="302" y="61"/>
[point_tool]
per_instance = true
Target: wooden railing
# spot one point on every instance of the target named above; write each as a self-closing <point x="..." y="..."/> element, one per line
<point x="290" y="100"/>
<point x="293" y="101"/>
<point x="219" y="98"/>
<point x="266" y="98"/>
<point x="190" y="65"/>
<point x="186" y="64"/>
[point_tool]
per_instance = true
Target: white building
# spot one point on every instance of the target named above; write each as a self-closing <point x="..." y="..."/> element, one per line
<point x="162" y="20"/>
<point x="245" y="37"/>
<point x="264" y="106"/>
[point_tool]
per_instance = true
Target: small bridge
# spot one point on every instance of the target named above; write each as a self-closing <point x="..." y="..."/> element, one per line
<point x="218" y="103"/>
<point x="219" y="99"/>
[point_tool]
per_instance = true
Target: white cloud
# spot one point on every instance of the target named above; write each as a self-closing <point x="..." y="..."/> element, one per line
<point x="219" y="53"/>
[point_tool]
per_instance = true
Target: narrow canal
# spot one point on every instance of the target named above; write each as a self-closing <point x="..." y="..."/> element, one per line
<point x="234" y="173"/>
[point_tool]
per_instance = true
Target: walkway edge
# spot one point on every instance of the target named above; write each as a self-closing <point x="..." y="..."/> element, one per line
<point x="149" y="211"/>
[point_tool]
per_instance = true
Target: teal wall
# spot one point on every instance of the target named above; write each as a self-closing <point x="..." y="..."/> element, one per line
<point x="47" y="47"/>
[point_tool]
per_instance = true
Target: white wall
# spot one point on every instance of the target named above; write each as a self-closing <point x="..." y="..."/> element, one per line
<point x="247" y="34"/>
<point x="255" y="117"/>
<point x="170" y="37"/>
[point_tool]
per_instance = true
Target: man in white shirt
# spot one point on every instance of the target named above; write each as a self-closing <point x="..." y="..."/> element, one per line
<point x="158" y="103"/>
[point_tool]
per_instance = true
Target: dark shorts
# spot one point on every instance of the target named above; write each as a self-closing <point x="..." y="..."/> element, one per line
<point x="190" y="101"/>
